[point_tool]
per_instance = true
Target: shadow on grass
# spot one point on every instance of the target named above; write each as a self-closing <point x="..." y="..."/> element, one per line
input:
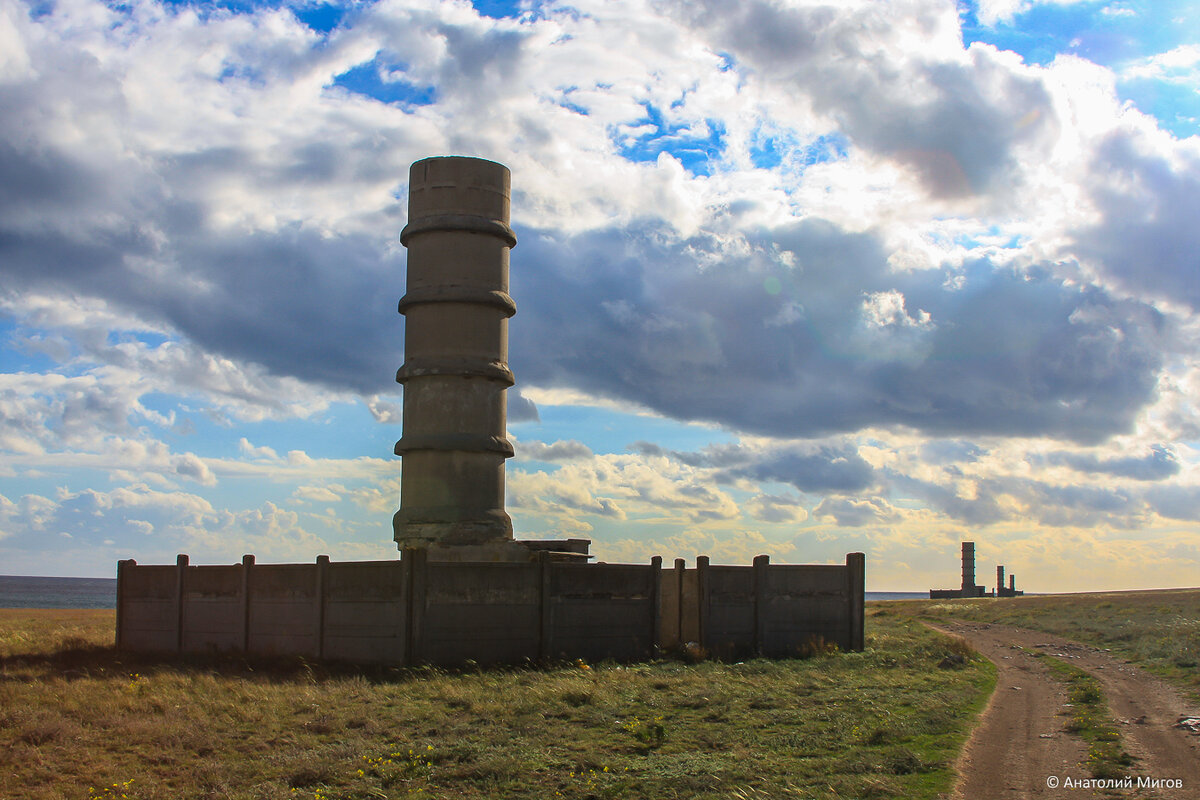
<point x="75" y="661"/>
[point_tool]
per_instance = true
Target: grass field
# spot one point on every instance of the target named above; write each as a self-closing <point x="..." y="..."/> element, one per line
<point x="80" y="720"/>
<point x="1160" y="630"/>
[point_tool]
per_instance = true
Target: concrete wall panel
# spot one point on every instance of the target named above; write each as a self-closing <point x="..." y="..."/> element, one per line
<point x="366" y="612"/>
<point x="149" y="625"/>
<point x="689" y="613"/>
<point x="670" y="605"/>
<point x="450" y="612"/>
<point x="151" y="582"/>
<point x="284" y="610"/>
<point x="600" y="580"/>
<point x="483" y="612"/>
<point x="213" y="609"/>
<point x="468" y="584"/>
<point x="503" y="634"/>
<point x="620" y="630"/>
<point x="729" y="618"/>
<point x="807" y="580"/>
<point x="148" y="608"/>
<point x="603" y="611"/>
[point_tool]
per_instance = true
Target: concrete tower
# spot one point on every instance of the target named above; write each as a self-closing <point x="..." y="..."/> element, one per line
<point x="999" y="580"/>
<point x="968" y="569"/>
<point x="455" y="371"/>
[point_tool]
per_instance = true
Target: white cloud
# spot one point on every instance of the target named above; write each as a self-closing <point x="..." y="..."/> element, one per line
<point x="317" y="494"/>
<point x="963" y="132"/>
<point x="618" y="487"/>
<point x="250" y="451"/>
<point x="775" y="509"/>
<point x="1180" y="65"/>
<point x="14" y="59"/>
<point x="192" y="467"/>
<point x="128" y="368"/>
<point x="967" y="275"/>
<point x="992" y="12"/>
<point x="561" y="450"/>
<point x="153" y="526"/>
<point x="385" y="411"/>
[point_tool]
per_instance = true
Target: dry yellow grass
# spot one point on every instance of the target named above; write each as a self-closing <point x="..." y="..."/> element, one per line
<point x="79" y="719"/>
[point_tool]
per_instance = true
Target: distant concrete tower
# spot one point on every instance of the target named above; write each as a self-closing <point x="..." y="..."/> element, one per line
<point x="968" y="569"/>
<point x="999" y="580"/>
<point x="455" y="371"/>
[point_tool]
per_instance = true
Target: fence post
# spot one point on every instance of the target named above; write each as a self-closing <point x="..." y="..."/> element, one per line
<point x="655" y="606"/>
<point x="546" y="607"/>
<point x="855" y="588"/>
<point x="180" y="571"/>
<point x="761" y="564"/>
<point x="322" y="568"/>
<point x="680" y="570"/>
<point x="417" y="559"/>
<point x="122" y="567"/>
<point x="702" y="600"/>
<point x="247" y="567"/>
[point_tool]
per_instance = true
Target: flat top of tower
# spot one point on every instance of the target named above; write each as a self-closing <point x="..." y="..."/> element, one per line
<point x="459" y="185"/>
<point x="464" y="160"/>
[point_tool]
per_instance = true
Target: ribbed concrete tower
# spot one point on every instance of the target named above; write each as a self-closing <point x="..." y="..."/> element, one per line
<point x="455" y="369"/>
<point x="999" y="580"/>
<point x="968" y="569"/>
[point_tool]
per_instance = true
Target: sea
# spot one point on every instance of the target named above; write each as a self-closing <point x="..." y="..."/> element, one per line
<point x="17" y="591"/>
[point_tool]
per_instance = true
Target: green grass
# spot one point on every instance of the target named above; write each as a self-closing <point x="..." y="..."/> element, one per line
<point x="80" y="720"/>
<point x="1159" y="630"/>
<point x="1091" y="720"/>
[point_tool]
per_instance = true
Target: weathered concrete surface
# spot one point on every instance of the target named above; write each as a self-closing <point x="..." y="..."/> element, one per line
<point x="421" y="610"/>
<point x="455" y="371"/>
<point x="775" y="610"/>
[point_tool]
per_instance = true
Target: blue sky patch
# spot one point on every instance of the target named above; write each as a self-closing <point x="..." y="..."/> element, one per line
<point x="20" y="350"/>
<point x="695" y="152"/>
<point x="497" y="9"/>
<point x="766" y="152"/>
<point x="344" y="430"/>
<point x="151" y="339"/>
<point x="826" y="148"/>
<point x="365" y="79"/>
<point x="321" y="18"/>
<point x="1107" y="33"/>
<point x="1111" y="34"/>
<point x="1176" y="106"/>
<point x="1047" y="30"/>
<point x="205" y="8"/>
<point x="565" y="101"/>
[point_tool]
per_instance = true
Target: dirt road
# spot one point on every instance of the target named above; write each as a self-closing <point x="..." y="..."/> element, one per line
<point x="1020" y="749"/>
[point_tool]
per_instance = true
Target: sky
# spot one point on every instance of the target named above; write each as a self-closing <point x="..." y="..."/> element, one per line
<point x="794" y="278"/>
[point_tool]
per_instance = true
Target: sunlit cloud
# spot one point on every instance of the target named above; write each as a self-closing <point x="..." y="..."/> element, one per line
<point x="791" y="278"/>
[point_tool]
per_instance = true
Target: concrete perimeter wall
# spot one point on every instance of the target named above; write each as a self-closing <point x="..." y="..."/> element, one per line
<point x="774" y="610"/>
<point x="413" y="611"/>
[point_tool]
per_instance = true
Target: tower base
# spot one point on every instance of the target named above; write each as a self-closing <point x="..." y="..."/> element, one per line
<point x="514" y="551"/>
